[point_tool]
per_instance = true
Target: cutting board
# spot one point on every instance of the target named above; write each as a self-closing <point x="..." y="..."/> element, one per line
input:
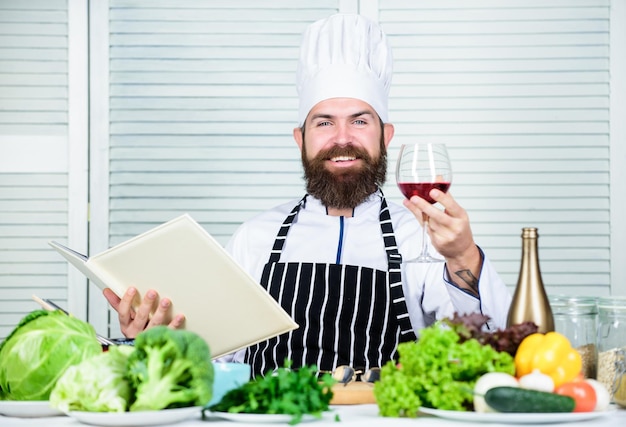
<point x="354" y="393"/>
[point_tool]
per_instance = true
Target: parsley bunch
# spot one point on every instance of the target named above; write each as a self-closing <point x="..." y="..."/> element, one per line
<point x="286" y="391"/>
<point x="437" y="371"/>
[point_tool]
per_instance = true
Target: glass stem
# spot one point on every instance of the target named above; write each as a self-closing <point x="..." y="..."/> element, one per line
<point x="424" y="226"/>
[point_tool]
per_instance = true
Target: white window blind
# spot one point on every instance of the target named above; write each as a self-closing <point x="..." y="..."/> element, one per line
<point x="33" y="154"/>
<point x="202" y="104"/>
<point x="520" y="91"/>
<point x="203" y="101"/>
<point x="193" y="103"/>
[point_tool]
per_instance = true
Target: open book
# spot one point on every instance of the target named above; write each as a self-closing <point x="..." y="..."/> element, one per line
<point x="180" y="260"/>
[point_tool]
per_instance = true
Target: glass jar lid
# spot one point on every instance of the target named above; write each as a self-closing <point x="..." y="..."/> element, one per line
<point x="565" y="304"/>
<point x="614" y="303"/>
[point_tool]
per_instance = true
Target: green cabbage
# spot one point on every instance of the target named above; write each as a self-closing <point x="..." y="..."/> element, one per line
<point x="39" y="350"/>
<point x="97" y="384"/>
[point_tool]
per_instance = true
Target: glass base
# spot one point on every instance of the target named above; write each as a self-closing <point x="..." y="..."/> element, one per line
<point x="425" y="258"/>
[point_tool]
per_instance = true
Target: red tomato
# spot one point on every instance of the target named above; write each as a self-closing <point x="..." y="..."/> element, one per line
<point x="583" y="393"/>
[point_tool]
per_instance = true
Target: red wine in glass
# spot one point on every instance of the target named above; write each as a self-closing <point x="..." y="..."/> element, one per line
<point x="422" y="189"/>
<point x="420" y="168"/>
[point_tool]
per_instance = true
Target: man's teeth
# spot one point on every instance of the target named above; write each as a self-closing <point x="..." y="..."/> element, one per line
<point x="342" y="159"/>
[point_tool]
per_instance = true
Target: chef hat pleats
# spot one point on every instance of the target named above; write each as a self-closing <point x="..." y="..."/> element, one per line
<point x="344" y="56"/>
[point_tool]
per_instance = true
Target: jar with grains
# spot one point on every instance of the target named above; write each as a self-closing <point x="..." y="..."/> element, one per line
<point x="577" y="319"/>
<point x="612" y="347"/>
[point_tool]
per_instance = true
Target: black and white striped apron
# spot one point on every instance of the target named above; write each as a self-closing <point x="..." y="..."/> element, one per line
<point x="347" y="315"/>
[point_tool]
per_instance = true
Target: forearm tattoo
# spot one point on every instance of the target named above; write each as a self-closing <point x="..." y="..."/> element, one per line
<point x="469" y="279"/>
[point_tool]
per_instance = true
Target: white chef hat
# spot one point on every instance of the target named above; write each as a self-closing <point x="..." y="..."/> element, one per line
<point x="344" y="56"/>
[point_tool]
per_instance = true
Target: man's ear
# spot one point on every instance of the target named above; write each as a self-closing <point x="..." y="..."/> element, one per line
<point x="388" y="131"/>
<point x="297" y="136"/>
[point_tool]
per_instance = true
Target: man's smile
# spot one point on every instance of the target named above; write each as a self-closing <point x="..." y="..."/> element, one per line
<point x="343" y="162"/>
<point x="343" y="158"/>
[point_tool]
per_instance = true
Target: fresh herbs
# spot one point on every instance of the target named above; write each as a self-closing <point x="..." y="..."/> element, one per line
<point x="296" y="392"/>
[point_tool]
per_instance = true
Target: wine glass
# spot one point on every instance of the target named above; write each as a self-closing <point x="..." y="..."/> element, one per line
<point x="420" y="168"/>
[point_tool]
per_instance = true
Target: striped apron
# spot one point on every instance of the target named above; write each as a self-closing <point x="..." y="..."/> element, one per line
<point x="347" y="315"/>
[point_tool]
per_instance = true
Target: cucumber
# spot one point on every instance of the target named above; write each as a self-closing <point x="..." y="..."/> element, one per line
<point x="515" y="399"/>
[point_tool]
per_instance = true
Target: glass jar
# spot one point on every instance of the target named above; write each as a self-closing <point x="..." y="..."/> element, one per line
<point x="612" y="347"/>
<point x="577" y="319"/>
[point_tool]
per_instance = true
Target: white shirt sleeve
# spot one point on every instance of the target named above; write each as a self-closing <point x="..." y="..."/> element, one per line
<point x="430" y="296"/>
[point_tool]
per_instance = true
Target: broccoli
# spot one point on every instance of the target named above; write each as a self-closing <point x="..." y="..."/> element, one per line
<point x="170" y="369"/>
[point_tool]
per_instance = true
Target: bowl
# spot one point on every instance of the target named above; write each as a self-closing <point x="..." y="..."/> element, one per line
<point x="228" y="376"/>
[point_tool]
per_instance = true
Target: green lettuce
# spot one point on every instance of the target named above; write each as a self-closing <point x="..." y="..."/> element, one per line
<point x="437" y="371"/>
<point x="97" y="384"/>
<point x="39" y="350"/>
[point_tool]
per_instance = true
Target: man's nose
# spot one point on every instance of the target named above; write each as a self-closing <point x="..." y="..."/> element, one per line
<point x="343" y="135"/>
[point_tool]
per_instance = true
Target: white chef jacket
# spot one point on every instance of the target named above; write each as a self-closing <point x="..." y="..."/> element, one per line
<point x="315" y="237"/>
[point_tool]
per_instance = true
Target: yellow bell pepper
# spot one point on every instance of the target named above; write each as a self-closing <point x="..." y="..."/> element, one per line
<point x="550" y="353"/>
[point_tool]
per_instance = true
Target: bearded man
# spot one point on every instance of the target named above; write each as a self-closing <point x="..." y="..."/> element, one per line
<point x="333" y="259"/>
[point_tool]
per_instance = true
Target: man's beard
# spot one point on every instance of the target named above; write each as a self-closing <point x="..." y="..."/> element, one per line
<point x="344" y="189"/>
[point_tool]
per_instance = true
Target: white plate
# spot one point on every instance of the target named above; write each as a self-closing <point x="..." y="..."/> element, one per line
<point x="261" y="418"/>
<point x="139" y="418"/>
<point x="514" y="418"/>
<point x="28" y="408"/>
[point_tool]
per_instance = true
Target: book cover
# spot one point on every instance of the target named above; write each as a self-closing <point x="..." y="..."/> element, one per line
<point x="183" y="262"/>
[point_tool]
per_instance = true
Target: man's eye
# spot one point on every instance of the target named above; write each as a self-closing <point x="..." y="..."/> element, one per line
<point x="323" y="124"/>
<point x="360" y="122"/>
